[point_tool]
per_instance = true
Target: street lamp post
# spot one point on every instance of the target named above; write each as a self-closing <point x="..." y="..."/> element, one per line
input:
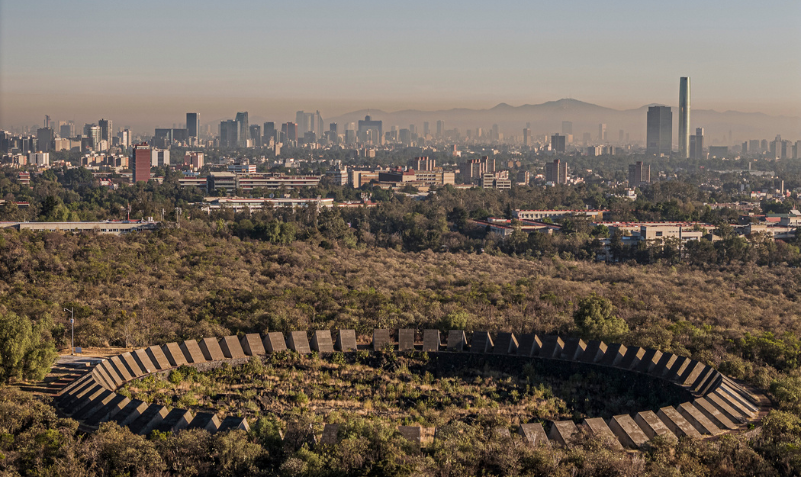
<point x="72" y="331"/>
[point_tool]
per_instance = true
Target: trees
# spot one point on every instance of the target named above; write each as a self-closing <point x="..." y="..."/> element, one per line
<point x="26" y="349"/>
<point x="594" y="319"/>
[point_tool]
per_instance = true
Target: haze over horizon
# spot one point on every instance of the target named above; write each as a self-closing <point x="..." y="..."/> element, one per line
<point x="146" y="65"/>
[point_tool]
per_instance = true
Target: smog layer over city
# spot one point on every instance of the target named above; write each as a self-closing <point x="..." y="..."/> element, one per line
<point x="429" y="238"/>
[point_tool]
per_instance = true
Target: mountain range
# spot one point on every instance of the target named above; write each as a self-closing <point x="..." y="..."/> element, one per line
<point x="546" y="118"/>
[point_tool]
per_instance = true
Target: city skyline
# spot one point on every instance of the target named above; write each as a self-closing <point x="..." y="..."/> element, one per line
<point x="427" y="56"/>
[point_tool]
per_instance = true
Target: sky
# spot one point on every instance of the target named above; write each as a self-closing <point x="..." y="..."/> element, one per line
<point x="145" y="63"/>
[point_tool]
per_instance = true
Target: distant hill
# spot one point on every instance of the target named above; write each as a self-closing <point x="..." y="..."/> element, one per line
<point x="547" y="118"/>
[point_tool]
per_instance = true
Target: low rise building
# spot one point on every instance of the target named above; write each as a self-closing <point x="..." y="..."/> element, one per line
<point x="115" y="227"/>
<point x="539" y="214"/>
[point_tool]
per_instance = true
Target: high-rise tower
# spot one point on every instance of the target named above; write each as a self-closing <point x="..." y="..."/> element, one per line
<point x="684" y="117"/>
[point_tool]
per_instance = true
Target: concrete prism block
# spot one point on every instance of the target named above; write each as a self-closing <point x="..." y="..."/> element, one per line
<point x="534" y="434"/>
<point x="233" y="423"/>
<point x="431" y="341"/>
<point x="299" y="342"/>
<point x="133" y="367"/>
<point x="322" y="341"/>
<point x="143" y="360"/>
<point x="417" y="434"/>
<point x="405" y="340"/>
<point x="100" y="400"/>
<point x="677" y="369"/>
<point x="481" y="342"/>
<point x="175" y="420"/>
<point x="173" y="353"/>
<point x="628" y="431"/>
<point x="727" y="409"/>
<point x="614" y="355"/>
<point x="231" y="348"/>
<point x="80" y="398"/>
<point x="252" y="346"/>
<point x="713" y="414"/>
<point x="158" y="358"/>
<point x="501" y="433"/>
<point x="149" y="419"/>
<point x="691" y="373"/>
<point x="529" y="345"/>
<point x="664" y="364"/>
<point x="65" y="401"/>
<point x="205" y="420"/>
<point x="552" y="347"/>
<point x="330" y="434"/>
<point x="698" y="419"/>
<point x="652" y="426"/>
<point x="737" y="397"/>
<point x="211" y="350"/>
<point x="130" y="412"/>
<point x="456" y="340"/>
<point x="192" y="352"/>
<point x="677" y="423"/>
<point x="711" y="383"/>
<point x="648" y="361"/>
<point x="346" y="340"/>
<point x="594" y="352"/>
<point x="563" y="432"/>
<point x="506" y="343"/>
<point x="102" y="378"/>
<point x="274" y="342"/>
<point x="702" y="378"/>
<point x="598" y="428"/>
<point x="121" y="369"/>
<point x="103" y="413"/>
<point x="78" y="382"/>
<point x="573" y="349"/>
<point x="88" y="401"/>
<point x="112" y="373"/>
<point x="381" y="339"/>
<point x="632" y="358"/>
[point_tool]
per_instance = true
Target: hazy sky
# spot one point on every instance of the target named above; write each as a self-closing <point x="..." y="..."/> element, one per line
<point x="147" y="62"/>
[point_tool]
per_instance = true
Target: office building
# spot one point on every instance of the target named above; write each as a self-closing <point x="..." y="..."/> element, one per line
<point x="659" y="136"/>
<point x="269" y="133"/>
<point x="426" y="129"/>
<point x="556" y="172"/>
<point x="44" y="139"/>
<point x="192" y="124"/>
<point x="639" y="174"/>
<point x="229" y="133"/>
<point x="527" y="137"/>
<point x="106" y="130"/>
<point x="602" y="132"/>
<point x="124" y="138"/>
<point x="754" y="147"/>
<point x="305" y="122"/>
<point x="290" y="132"/>
<point x="558" y="143"/>
<point x="140" y="163"/>
<point x="718" y="151"/>
<point x="194" y="160"/>
<point x="39" y="159"/>
<point x="440" y="128"/>
<point x="684" y="117"/>
<point x="422" y="164"/>
<point x="255" y="135"/>
<point x="697" y="144"/>
<point x="370" y="131"/>
<point x="243" y="129"/>
<point x="159" y="157"/>
<point x="567" y="128"/>
<point x="586" y="138"/>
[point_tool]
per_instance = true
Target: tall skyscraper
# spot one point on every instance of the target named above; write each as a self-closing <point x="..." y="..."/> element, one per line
<point x="255" y="135"/>
<point x="192" y="124"/>
<point x="106" y="130"/>
<point x="659" y="139"/>
<point x="243" y="129"/>
<point x="684" y="117"/>
<point x="290" y="131"/>
<point x="140" y="163"/>
<point x="556" y="172"/>
<point x="426" y="129"/>
<point x="269" y="132"/>
<point x="44" y="139"/>
<point x="371" y="131"/>
<point x="440" y="128"/>
<point x="527" y="137"/>
<point x="567" y="128"/>
<point x="558" y="143"/>
<point x="697" y="144"/>
<point x="639" y="173"/>
<point x="602" y="132"/>
<point x="229" y="133"/>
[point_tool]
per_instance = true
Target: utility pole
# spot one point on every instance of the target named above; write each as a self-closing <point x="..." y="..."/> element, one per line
<point x="72" y="331"/>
